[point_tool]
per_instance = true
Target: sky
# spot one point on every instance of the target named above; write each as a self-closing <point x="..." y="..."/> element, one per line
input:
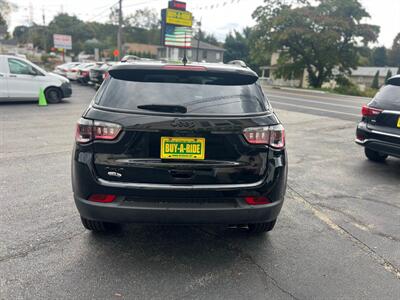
<point x="219" y="20"/>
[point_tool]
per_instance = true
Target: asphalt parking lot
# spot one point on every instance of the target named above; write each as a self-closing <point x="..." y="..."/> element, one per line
<point x="338" y="236"/>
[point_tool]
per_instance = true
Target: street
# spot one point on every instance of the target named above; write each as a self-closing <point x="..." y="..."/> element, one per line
<point x="338" y="235"/>
<point x="317" y="103"/>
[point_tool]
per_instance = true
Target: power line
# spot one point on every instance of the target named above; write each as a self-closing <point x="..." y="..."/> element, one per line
<point x="102" y="12"/>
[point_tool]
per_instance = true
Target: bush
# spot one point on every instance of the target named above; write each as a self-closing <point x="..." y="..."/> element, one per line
<point x="369" y="92"/>
<point x="346" y="87"/>
<point x="351" y="90"/>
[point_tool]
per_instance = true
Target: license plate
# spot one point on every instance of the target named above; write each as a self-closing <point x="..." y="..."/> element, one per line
<point x="398" y="123"/>
<point x="182" y="148"/>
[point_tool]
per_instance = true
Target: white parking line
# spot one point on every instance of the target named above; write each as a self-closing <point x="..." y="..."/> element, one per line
<point x="314" y="101"/>
<point x="317" y="109"/>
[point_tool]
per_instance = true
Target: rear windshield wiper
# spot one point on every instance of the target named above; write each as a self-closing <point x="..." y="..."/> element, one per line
<point x="164" y="108"/>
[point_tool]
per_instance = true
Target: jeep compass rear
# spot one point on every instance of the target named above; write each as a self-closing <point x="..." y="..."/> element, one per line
<point x="175" y="144"/>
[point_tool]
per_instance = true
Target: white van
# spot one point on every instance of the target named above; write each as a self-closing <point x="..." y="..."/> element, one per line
<point x="21" y="80"/>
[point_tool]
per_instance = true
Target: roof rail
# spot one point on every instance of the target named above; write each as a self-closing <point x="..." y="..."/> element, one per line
<point x="238" y="63"/>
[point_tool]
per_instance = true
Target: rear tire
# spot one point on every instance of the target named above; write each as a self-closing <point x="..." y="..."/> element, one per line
<point x="261" y="227"/>
<point x="98" y="226"/>
<point x="53" y="95"/>
<point x="375" y="155"/>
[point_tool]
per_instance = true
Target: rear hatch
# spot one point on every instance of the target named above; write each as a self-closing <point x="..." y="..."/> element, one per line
<point x="387" y="101"/>
<point x="181" y="127"/>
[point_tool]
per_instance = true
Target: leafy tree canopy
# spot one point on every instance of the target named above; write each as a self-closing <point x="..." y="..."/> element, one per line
<point x="379" y="57"/>
<point x="394" y="53"/>
<point x="317" y="37"/>
<point x="237" y="46"/>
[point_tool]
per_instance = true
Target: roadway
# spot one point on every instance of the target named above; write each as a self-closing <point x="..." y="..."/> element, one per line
<point x="317" y="103"/>
<point x="337" y="237"/>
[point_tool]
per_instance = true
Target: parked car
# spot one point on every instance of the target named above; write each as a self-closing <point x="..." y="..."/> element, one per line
<point x="181" y="144"/>
<point x="97" y="74"/>
<point x="21" y="80"/>
<point x="64" y="68"/>
<point x="73" y="73"/>
<point x="83" y="75"/>
<point x="379" y="130"/>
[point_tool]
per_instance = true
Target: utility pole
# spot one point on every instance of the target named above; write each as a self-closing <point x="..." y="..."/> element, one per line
<point x="198" y="41"/>
<point x="119" y="38"/>
<point x="44" y="30"/>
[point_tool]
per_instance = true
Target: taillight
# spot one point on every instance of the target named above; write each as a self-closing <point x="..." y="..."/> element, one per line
<point x="273" y="136"/>
<point x="105" y="75"/>
<point x="370" y="111"/>
<point x="89" y="130"/>
<point x="102" y="198"/>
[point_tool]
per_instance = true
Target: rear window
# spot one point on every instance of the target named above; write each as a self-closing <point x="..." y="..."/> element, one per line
<point x="387" y="98"/>
<point x="199" y="94"/>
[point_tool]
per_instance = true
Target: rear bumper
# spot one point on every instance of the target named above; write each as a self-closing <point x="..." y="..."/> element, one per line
<point x="178" y="204"/>
<point x="385" y="143"/>
<point x="177" y="213"/>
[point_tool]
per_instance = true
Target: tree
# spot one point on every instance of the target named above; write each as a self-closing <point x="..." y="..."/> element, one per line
<point x="145" y="18"/>
<point x="3" y="26"/>
<point x="388" y="75"/>
<point x="379" y="57"/>
<point x="375" y="81"/>
<point x="208" y="38"/>
<point x="317" y="38"/>
<point x="394" y="53"/>
<point x="237" y="46"/>
<point x="71" y="25"/>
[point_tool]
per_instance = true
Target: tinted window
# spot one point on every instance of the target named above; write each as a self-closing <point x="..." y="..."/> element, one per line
<point x="387" y="98"/>
<point x="197" y="98"/>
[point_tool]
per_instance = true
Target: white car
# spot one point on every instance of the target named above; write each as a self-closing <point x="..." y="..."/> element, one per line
<point x="73" y="73"/>
<point x="22" y="80"/>
<point x="64" y="68"/>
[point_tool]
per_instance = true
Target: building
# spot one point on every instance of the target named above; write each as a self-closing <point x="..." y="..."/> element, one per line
<point x="363" y="76"/>
<point x="269" y="76"/>
<point x="141" y="49"/>
<point x="200" y="51"/>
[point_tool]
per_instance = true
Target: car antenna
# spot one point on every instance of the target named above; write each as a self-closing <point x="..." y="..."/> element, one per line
<point x="184" y="59"/>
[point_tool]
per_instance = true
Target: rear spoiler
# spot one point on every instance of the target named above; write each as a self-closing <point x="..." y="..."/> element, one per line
<point x="184" y="74"/>
<point x="395" y="80"/>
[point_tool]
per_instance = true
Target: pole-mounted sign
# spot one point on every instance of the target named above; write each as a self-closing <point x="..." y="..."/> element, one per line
<point x="62" y="41"/>
<point x="176" y="25"/>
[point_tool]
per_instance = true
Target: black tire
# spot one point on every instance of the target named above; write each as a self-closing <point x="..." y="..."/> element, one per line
<point x="375" y="155"/>
<point x="53" y="95"/>
<point x="261" y="227"/>
<point x="98" y="226"/>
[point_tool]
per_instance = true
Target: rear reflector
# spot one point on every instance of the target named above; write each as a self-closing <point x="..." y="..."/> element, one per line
<point x="257" y="200"/>
<point x="370" y="111"/>
<point x="89" y="130"/>
<point x="102" y="198"/>
<point x="273" y="136"/>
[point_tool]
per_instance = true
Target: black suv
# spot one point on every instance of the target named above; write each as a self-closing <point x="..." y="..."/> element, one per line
<point x="179" y="144"/>
<point x="379" y="129"/>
